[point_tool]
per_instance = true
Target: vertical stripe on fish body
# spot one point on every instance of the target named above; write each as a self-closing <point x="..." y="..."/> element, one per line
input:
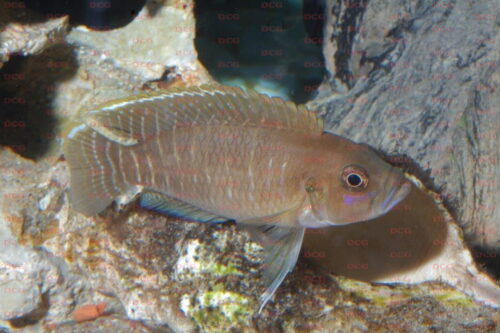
<point x="215" y="153"/>
<point x="235" y="172"/>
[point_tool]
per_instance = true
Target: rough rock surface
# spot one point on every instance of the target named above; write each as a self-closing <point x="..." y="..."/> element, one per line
<point x="158" y="274"/>
<point x="156" y="41"/>
<point x="27" y="39"/>
<point x="420" y="80"/>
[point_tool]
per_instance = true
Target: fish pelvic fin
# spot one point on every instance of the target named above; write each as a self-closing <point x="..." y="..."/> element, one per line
<point x="169" y="206"/>
<point x="282" y="246"/>
<point x="96" y="179"/>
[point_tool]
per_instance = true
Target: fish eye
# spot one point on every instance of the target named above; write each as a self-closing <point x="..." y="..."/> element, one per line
<point x="355" y="178"/>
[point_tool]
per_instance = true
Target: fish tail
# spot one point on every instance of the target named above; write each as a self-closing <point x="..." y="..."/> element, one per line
<point x="96" y="179"/>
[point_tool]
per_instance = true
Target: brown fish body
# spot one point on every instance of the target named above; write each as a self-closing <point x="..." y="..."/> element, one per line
<point x="216" y="153"/>
<point x="236" y="172"/>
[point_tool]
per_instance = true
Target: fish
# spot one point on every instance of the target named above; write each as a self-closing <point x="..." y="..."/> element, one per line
<point x="214" y="154"/>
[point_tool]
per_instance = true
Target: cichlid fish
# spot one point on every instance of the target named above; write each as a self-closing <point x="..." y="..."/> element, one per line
<point x="216" y="153"/>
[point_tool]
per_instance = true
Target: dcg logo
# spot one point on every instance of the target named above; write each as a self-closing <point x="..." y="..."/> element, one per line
<point x="271" y="53"/>
<point x="357" y="266"/>
<point x="228" y="16"/>
<point x="400" y="254"/>
<point x="100" y="4"/>
<point x="400" y="231"/>
<point x="271" y="4"/>
<point x="357" y="242"/>
<point x="14" y="123"/>
<point x="14" y="100"/>
<point x="314" y="254"/>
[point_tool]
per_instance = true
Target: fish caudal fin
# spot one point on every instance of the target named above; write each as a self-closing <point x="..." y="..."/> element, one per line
<point x="96" y="179"/>
<point x="282" y="246"/>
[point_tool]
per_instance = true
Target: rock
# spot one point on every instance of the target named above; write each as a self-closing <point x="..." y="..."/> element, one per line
<point x="39" y="285"/>
<point x="29" y="38"/>
<point x="160" y="274"/>
<point x="418" y="241"/>
<point x="155" y="42"/>
<point x="419" y="80"/>
<point x="19" y="298"/>
<point x="105" y="325"/>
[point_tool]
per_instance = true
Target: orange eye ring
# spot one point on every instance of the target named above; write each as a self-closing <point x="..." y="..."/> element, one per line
<point x="354" y="178"/>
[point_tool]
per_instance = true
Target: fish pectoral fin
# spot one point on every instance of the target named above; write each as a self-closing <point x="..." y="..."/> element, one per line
<point x="164" y="204"/>
<point x="282" y="246"/>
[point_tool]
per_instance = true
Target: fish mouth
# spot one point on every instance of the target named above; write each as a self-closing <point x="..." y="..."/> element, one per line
<point x="396" y="195"/>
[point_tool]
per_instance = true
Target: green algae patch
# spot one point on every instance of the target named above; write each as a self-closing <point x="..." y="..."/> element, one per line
<point x="381" y="295"/>
<point x="380" y="300"/>
<point x="199" y="259"/>
<point x="218" y="309"/>
<point x="357" y="288"/>
<point x="221" y="270"/>
<point x="454" y="298"/>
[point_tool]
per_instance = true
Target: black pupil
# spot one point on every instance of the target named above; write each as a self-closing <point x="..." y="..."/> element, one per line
<point x="354" y="180"/>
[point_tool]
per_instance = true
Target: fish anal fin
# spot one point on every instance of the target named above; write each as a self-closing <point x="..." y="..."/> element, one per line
<point x="169" y="206"/>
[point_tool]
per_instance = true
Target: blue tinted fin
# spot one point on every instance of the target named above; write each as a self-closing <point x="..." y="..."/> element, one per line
<point x="173" y="207"/>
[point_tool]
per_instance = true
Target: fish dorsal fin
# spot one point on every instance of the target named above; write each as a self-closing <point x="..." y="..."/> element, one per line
<point x="173" y="207"/>
<point x="130" y="121"/>
<point x="282" y="245"/>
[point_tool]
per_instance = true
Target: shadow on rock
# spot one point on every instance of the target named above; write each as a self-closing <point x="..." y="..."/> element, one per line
<point x="27" y="92"/>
